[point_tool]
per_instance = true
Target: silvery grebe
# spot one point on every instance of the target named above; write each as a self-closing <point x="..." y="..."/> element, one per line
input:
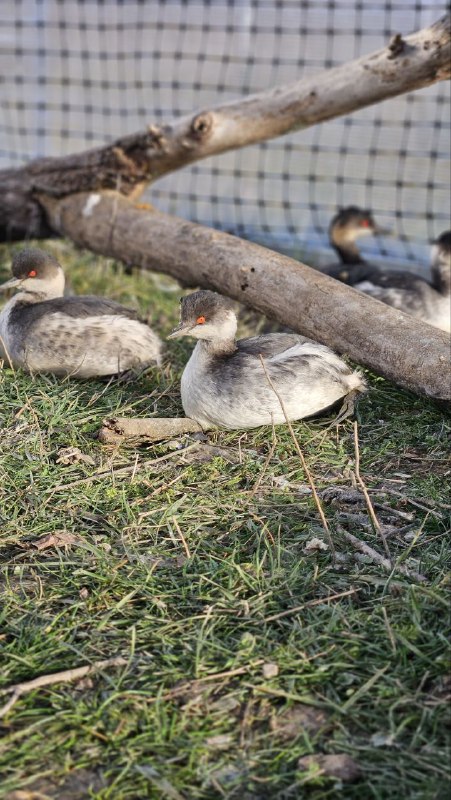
<point x="346" y="227"/>
<point x="85" y="336"/>
<point x="427" y="301"/>
<point x="224" y="384"/>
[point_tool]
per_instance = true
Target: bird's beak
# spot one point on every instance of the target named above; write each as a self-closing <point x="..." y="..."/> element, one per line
<point x="180" y="330"/>
<point x="382" y="231"/>
<point x="11" y="284"/>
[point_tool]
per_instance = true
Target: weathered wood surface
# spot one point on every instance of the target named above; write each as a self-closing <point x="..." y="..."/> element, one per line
<point x="150" y="429"/>
<point x="128" y="164"/>
<point x="412" y="354"/>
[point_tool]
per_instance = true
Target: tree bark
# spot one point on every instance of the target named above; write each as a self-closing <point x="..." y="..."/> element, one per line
<point x="130" y="163"/>
<point x="410" y="353"/>
<point x="151" y="429"/>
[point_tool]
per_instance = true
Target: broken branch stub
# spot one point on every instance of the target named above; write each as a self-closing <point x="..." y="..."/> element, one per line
<point x="401" y="348"/>
<point x="131" y="162"/>
<point x="150" y="429"/>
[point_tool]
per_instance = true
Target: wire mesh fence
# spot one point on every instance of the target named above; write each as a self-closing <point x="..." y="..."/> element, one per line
<point x="77" y="73"/>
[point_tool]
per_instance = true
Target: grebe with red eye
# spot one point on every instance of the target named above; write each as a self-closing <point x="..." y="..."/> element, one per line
<point x="346" y="227"/>
<point x="84" y="336"/>
<point x="224" y="384"/>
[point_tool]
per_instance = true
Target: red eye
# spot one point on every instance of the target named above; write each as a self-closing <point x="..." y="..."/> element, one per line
<point x="32" y="273"/>
<point x="365" y="223"/>
<point x="200" y="320"/>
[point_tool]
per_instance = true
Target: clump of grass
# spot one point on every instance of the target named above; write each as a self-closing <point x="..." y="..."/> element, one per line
<point x="188" y="570"/>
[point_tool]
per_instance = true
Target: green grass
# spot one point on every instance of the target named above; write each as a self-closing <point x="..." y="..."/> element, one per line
<point x="372" y="662"/>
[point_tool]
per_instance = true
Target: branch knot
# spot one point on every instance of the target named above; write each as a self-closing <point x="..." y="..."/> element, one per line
<point x="202" y="125"/>
<point x="396" y="46"/>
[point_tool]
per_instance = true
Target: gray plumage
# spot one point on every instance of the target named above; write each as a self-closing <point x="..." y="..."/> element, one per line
<point x="224" y="383"/>
<point x="85" y="336"/>
<point x="428" y="301"/>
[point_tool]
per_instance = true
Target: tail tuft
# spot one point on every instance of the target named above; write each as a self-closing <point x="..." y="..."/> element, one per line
<point x="356" y="382"/>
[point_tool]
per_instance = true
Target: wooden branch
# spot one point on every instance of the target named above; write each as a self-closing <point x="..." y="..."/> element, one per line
<point x="151" y="429"/>
<point x="130" y="163"/>
<point x="408" y="352"/>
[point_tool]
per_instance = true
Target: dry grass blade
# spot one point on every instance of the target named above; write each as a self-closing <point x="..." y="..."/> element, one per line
<point x="362" y="486"/>
<point x="303" y="461"/>
<point x="184" y="542"/>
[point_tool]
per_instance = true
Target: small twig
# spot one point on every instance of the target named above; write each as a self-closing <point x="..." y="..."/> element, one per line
<point x="396" y="513"/>
<point x="309" y="604"/>
<point x="377" y="558"/>
<point x="303" y="461"/>
<point x="67" y="675"/>
<point x="123" y="470"/>
<point x="362" y="485"/>
<point x="388" y="490"/>
<point x="184" y="542"/>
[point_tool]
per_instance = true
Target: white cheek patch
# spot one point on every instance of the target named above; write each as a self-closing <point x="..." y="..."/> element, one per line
<point x="229" y="326"/>
<point x="90" y="204"/>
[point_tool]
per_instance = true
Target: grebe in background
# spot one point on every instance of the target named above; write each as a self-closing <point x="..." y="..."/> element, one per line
<point x="429" y="301"/>
<point x="346" y="228"/>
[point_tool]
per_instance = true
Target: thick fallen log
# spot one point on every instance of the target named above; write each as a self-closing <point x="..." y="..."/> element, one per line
<point x="128" y="164"/>
<point x="410" y="353"/>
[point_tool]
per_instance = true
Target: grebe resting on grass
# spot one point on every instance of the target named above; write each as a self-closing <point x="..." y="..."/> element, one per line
<point x="84" y="336"/>
<point x="224" y="383"/>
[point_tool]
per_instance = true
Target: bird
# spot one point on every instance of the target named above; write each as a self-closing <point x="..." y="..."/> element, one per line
<point x="346" y="227"/>
<point x="224" y="383"/>
<point x="81" y="336"/>
<point x="428" y="301"/>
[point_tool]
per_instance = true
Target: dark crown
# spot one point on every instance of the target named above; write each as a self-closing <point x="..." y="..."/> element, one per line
<point x="203" y="303"/>
<point x="33" y="258"/>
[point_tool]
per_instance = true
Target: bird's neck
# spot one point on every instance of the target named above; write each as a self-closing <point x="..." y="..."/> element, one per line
<point x="213" y="348"/>
<point x="348" y="253"/>
<point x="441" y="277"/>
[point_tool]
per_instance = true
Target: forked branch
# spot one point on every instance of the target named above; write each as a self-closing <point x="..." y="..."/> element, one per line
<point x="130" y="163"/>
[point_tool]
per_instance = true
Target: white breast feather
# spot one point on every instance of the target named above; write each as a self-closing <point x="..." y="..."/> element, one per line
<point x="210" y="403"/>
